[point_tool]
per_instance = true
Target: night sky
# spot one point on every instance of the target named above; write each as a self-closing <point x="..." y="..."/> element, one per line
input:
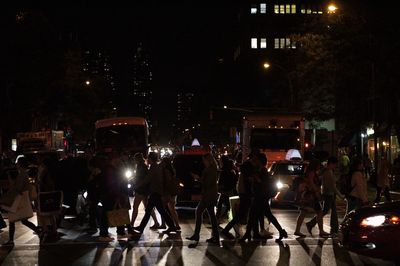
<point x="185" y="42"/>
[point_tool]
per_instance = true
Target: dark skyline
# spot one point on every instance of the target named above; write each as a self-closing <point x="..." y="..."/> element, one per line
<point x="185" y="44"/>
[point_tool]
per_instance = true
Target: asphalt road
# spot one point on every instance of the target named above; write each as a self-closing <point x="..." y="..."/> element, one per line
<point x="78" y="248"/>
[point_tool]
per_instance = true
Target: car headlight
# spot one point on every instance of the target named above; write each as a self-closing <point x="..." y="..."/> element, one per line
<point x="128" y="173"/>
<point x="380" y="220"/>
<point x="279" y="185"/>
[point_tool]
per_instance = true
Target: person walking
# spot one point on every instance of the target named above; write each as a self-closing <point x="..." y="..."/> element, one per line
<point x="142" y="190"/>
<point x="19" y="186"/>
<point x="209" y="192"/>
<point x="308" y="197"/>
<point x="244" y="188"/>
<point x="46" y="181"/>
<point x="329" y="193"/>
<point x="156" y="181"/>
<point x="382" y="182"/>
<point x="358" y="193"/>
<point x="263" y="191"/>
<point x="171" y="190"/>
<point x="226" y="186"/>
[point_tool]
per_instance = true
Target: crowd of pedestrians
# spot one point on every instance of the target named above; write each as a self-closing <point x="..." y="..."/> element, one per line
<point x="157" y="187"/>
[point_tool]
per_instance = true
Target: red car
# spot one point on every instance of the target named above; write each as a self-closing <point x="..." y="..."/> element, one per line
<point x="373" y="231"/>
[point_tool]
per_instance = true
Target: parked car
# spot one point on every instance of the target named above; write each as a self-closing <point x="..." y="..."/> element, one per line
<point x="284" y="172"/>
<point x="373" y="231"/>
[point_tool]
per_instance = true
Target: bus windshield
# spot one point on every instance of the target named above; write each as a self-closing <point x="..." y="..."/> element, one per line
<point x="126" y="137"/>
<point x="275" y="138"/>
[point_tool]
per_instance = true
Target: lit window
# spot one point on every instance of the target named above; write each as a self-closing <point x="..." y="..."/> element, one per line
<point x="263" y="8"/>
<point x="282" y="43"/>
<point x="263" y="43"/>
<point x="293" y="9"/>
<point x="288" y="43"/>
<point x="308" y="11"/>
<point x="287" y="9"/>
<point x="282" y="9"/>
<point x="254" y="43"/>
<point x="303" y="11"/>
<point x="276" y="9"/>
<point x="253" y="9"/>
<point x="276" y="43"/>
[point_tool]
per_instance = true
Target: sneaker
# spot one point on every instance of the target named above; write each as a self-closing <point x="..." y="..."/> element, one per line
<point x="169" y="230"/>
<point x="106" y="239"/>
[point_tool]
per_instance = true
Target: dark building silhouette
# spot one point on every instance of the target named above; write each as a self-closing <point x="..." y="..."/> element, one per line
<point x="142" y="84"/>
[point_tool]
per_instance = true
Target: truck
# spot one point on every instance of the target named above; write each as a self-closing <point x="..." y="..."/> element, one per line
<point x="273" y="134"/>
<point x="45" y="140"/>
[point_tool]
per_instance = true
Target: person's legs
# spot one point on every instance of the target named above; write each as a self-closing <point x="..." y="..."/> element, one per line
<point x="172" y="210"/>
<point x="272" y="218"/>
<point x="199" y="217"/>
<point x="299" y="222"/>
<point x="30" y="225"/>
<point x="213" y="220"/>
<point x="11" y="231"/>
<point x="386" y="193"/>
<point x="334" y="217"/>
<point x="245" y="203"/>
<point x="161" y="209"/>
<point x="135" y="208"/>
<point x="153" y="213"/>
<point x="378" y="194"/>
<point x="149" y="208"/>
<point x="328" y="200"/>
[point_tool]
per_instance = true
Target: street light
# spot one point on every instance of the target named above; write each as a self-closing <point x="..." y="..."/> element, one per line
<point x="87" y="82"/>
<point x="332" y="8"/>
<point x="267" y="65"/>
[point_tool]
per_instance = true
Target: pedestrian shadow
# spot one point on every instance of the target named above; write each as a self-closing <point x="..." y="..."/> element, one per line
<point x="284" y="254"/>
<point x="316" y="255"/>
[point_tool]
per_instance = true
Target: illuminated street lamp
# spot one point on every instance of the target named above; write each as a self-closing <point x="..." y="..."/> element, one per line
<point x="87" y="82"/>
<point x="225" y="107"/>
<point x="332" y="8"/>
<point x="267" y="65"/>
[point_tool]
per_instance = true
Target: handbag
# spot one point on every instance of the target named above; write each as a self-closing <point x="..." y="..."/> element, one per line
<point x="14" y="205"/>
<point x="118" y="217"/>
<point x="24" y="210"/>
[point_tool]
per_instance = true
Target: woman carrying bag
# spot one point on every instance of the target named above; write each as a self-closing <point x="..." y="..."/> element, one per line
<point x="19" y="191"/>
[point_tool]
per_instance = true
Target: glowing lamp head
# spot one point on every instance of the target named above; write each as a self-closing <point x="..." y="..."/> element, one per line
<point x="266" y="65"/>
<point x="128" y="173"/>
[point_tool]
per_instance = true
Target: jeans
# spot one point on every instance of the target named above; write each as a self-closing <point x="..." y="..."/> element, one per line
<point x="201" y="207"/>
<point x="329" y="205"/>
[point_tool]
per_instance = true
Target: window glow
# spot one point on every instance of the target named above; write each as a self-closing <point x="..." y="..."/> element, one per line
<point x="276" y="9"/>
<point x="263" y="43"/>
<point x="254" y="43"/>
<point x="253" y="10"/>
<point x="263" y="8"/>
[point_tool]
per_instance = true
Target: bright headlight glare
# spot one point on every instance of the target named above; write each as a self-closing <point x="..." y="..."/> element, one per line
<point x="373" y="221"/>
<point x="279" y="185"/>
<point x="128" y="173"/>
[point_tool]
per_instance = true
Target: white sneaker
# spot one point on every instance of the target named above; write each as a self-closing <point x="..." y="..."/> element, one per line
<point x="106" y="239"/>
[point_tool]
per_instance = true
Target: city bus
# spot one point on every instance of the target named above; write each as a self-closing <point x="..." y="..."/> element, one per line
<point x="122" y="134"/>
